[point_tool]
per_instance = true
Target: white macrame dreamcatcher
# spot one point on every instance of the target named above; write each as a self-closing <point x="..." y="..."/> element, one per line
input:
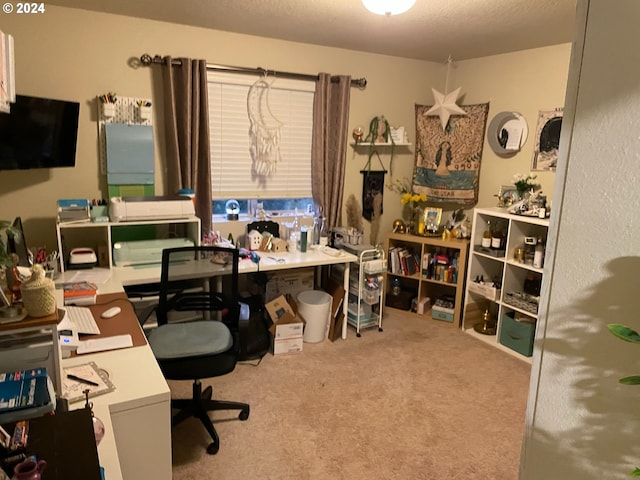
<point x="264" y="131"/>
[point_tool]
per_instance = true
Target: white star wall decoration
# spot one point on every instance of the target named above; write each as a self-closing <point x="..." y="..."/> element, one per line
<point x="445" y="106"/>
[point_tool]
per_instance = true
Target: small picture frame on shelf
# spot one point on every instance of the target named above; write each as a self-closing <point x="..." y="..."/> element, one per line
<point x="507" y="196"/>
<point x="431" y="217"/>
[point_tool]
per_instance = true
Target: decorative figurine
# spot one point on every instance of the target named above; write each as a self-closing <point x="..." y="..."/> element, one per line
<point x="398" y="226"/>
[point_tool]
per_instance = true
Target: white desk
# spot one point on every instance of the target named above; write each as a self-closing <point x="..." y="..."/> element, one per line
<point x="137" y="414"/>
<point x="131" y="276"/>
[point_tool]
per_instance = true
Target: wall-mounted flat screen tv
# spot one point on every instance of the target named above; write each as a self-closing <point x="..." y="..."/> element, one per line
<point x="39" y="133"/>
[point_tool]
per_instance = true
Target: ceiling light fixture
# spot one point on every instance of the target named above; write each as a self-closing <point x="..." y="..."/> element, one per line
<point x="388" y="7"/>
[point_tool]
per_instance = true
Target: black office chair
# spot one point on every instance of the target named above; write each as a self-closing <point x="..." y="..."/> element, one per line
<point x="204" y="347"/>
<point x="265" y="226"/>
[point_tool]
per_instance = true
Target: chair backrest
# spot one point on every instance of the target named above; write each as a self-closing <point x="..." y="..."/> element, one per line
<point x="190" y="278"/>
<point x="265" y="226"/>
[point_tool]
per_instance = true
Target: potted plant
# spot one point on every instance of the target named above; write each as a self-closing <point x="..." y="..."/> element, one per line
<point x="379" y="133"/>
<point x="7" y="259"/>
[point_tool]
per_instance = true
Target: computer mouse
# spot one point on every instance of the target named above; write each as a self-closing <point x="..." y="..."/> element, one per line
<point x="111" y="312"/>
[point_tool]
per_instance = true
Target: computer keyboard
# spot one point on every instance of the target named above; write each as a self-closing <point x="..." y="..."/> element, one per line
<point x="83" y="319"/>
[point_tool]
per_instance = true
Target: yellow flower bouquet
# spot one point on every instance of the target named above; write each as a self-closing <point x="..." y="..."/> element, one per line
<point x="414" y="202"/>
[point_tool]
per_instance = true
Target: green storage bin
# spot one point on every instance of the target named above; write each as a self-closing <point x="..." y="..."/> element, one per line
<point x="518" y="336"/>
<point x="444" y="314"/>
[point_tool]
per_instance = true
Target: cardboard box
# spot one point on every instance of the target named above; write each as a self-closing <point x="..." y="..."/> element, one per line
<point x="289" y="283"/>
<point x="486" y="291"/>
<point x="287" y="328"/>
<point x="287" y="346"/>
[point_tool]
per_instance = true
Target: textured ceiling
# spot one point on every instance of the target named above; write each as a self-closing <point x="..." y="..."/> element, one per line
<point x="432" y="30"/>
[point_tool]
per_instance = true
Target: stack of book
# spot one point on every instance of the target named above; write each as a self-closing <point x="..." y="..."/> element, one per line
<point x="403" y="261"/>
<point x="25" y="394"/>
<point x="79" y="293"/>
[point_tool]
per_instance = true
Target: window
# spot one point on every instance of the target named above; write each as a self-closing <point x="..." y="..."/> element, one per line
<point x="291" y="102"/>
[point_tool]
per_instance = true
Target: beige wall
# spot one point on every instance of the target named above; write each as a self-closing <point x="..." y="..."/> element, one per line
<point x="77" y="55"/>
<point x="523" y="82"/>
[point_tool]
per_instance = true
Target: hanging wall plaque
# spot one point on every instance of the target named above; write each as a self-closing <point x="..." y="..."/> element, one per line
<point x="372" y="185"/>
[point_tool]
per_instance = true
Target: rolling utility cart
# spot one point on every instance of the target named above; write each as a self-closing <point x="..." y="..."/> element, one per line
<point x="366" y="290"/>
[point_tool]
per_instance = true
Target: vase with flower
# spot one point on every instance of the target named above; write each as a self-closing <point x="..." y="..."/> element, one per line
<point x="412" y="202"/>
<point x="525" y="184"/>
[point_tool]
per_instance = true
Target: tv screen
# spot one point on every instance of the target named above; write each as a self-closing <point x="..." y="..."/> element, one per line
<point x="39" y="133"/>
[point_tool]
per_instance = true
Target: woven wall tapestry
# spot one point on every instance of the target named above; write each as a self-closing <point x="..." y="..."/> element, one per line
<point x="448" y="162"/>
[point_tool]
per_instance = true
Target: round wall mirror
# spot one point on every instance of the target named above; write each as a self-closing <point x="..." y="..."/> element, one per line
<point x="507" y="133"/>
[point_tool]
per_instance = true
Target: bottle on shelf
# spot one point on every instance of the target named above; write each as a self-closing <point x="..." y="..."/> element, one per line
<point x="320" y="235"/>
<point x="538" y="255"/>
<point x="486" y="236"/>
<point x="396" y="286"/>
<point x="497" y="237"/>
<point x="529" y="249"/>
<point x="294" y="233"/>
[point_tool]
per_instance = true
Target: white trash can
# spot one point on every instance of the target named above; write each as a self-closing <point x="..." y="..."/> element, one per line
<point x="315" y="307"/>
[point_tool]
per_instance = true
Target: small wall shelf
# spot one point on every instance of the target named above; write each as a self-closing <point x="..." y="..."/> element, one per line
<point x="388" y="144"/>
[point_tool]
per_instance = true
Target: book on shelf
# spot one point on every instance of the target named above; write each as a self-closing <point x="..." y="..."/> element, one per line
<point x="25" y="394"/>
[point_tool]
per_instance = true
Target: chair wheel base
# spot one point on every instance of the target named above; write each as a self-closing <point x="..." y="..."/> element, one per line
<point x="213" y="448"/>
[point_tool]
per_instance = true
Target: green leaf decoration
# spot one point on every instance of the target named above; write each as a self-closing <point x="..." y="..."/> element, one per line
<point x="633" y="380"/>
<point x="636" y="472"/>
<point x="624" y="333"/>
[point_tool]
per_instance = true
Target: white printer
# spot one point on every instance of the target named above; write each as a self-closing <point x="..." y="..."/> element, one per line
<point x="134" y="209"/>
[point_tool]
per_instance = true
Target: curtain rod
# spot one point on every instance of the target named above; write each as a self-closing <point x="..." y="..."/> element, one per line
<point x="147" y="59"/>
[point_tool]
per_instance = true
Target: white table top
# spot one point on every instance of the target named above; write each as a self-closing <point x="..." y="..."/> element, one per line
<point x="128" y="276"/>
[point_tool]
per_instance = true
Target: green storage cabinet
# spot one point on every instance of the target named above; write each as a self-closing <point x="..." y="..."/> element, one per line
<point x="517" y="335"/>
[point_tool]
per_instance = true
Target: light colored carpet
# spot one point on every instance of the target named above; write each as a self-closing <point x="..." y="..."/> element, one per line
<point x="421" y="400"/>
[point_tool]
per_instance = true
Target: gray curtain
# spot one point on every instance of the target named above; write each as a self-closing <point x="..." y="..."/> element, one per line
<point x="329" y="144"/>
<point x="187" y="132"/>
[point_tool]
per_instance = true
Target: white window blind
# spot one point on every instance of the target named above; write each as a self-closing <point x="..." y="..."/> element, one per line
<point x="291" y="102"/>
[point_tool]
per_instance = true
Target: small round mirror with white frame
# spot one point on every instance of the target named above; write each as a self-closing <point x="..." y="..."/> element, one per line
<point x="507" y="133"/>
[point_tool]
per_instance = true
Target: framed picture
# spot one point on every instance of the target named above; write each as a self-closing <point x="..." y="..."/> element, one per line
<point x="431" y="217"/>
<point x="508" y="195"/>
<point x="545" y="151"/>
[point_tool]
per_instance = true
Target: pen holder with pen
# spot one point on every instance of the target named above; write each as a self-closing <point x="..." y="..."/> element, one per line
<point x="144" y="113"/>
<point x="109" y="110"/>
<point x="100" y="213"/>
